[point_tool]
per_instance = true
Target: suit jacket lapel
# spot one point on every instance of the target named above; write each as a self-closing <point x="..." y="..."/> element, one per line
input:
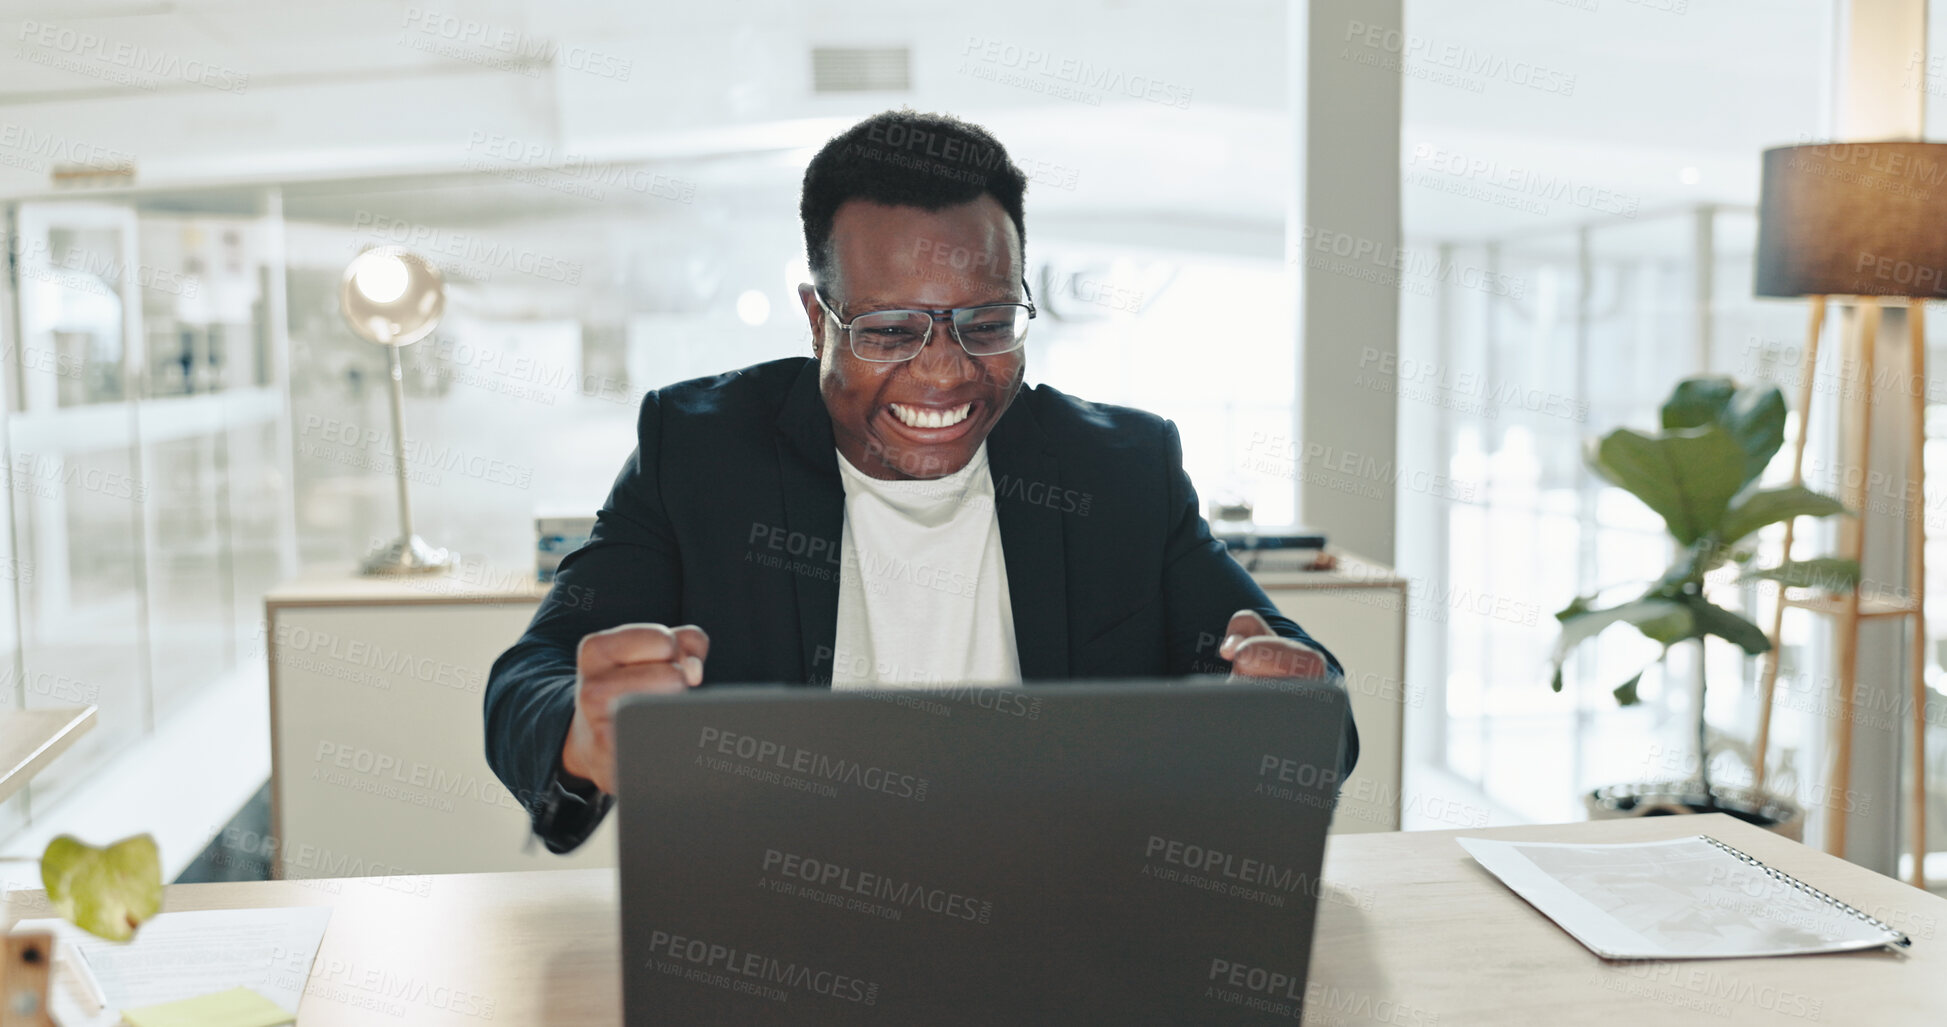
<point x="1025" y="474"/>
<point x="814" y="510"/>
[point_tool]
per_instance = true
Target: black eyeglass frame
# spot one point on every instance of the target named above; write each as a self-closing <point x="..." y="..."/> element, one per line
<point x="933" y="316"/>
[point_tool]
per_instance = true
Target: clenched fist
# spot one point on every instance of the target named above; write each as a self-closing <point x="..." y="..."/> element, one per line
<point x="1255" y="651"/>
<point x="613" y="663"/>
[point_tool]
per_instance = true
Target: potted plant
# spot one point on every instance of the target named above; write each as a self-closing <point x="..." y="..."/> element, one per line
<point x="1700" y="474"/>
<point x="108" y="892"/>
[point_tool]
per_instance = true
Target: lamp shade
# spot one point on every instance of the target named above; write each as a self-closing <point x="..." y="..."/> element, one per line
<point x="392" y="296"/>
<point x="1854" y="219"/>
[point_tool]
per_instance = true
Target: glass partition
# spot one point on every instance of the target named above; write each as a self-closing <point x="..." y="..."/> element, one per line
<point x="144" y="441"/>
<point x="81" y="499"/>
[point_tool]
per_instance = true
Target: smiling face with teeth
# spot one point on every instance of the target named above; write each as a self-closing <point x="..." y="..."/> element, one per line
<point x="924" y="417"/>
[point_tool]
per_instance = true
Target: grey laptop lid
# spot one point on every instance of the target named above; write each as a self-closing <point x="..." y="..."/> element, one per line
<point x="1123" y="853"/>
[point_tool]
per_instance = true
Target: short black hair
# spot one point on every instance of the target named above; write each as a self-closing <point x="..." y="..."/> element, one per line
<point x="906" y="159"/>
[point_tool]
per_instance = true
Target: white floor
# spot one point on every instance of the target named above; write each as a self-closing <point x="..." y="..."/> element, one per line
<point x="182" y="785"/>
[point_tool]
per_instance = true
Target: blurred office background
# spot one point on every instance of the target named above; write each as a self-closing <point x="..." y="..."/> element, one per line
<point x="611" y="189"/>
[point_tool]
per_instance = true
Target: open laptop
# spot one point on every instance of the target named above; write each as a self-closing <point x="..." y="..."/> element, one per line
<point x="1091" y="852"/>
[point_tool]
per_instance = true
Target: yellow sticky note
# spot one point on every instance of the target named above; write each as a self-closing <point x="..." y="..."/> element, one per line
<point x="238" y="1007"/>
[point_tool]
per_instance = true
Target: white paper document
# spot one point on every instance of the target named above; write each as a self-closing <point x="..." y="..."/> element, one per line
<point x="183" y="955"/>
<point x="1681" y="899"/>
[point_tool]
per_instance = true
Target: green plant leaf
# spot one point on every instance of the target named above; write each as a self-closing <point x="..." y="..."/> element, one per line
<point x="1688" y="477"/>
<point x="1662" y="620"/>
<point x="1830" y="573"/>
<point x="107" y="892"/>
<point x="1754" y="416"/>
<point x="1731" y="627"/>
<point x="1697" y="401"/>
<point x="1625" y="693"/>
<point x="1754" y="510"/>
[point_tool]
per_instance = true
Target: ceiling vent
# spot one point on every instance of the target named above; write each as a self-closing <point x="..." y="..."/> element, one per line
<point x="851" y="69"/>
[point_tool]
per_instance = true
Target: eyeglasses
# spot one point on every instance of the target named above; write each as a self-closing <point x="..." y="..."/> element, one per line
<point x="890" y="336"/>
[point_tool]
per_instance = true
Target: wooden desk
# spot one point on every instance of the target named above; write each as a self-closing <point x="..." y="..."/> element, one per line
<point x="1411" y="933"/>
<point x="30" y="739"/>
<point x="1412" y="929"/>
<point x="524" y="949"/>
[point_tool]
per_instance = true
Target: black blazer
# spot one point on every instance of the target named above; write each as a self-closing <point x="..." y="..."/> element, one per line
<point x="729" y="515"/>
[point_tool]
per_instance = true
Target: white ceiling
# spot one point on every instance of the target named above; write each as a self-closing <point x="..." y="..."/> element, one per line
<point x="1653" y="93"/>
<point x="348" y="89"/>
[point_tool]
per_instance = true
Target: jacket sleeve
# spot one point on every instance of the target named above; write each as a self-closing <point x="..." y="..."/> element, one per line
<point x="628" y="572"/>
<point x="1203" y="587"/>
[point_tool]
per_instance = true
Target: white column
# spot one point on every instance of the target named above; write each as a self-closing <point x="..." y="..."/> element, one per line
<point x="277" y="324"/>
<point x="1345" y="108"/>
<point x="1879" y="97"/>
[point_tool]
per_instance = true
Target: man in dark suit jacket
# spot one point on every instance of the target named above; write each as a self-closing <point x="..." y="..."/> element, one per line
<point x="724" y="542"/>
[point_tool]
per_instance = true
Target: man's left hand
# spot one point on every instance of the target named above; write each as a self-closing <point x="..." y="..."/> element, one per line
<point x="1255" y="651"/>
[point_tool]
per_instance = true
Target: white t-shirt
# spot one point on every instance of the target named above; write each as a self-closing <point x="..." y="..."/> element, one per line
<point x="922" y="593"/>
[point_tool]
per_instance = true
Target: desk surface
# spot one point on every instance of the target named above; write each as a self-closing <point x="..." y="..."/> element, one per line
<point x="30" y="739"/>
<point x="489" y="583"/>
<point x="1411" y="932"/>
<point x="466" y="582"/>
<point x="1351" y="571"/>
<point x="1413" y="928"/>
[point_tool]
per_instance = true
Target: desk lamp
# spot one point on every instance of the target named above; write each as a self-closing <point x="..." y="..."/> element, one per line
<point x="395" y="297"/>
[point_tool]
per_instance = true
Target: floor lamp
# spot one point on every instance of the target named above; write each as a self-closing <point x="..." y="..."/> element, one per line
<point x="1858" y="223"/>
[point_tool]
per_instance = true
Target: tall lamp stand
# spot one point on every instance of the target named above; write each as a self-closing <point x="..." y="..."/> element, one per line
<point x="1849" y="609"/>
<point x="1844" y="221"/>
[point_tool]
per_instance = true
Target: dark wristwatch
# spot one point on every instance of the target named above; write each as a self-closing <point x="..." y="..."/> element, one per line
<point x="571" y="810"/>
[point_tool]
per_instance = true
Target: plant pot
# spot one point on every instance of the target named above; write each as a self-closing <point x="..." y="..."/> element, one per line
<point x="1666" y="798"/>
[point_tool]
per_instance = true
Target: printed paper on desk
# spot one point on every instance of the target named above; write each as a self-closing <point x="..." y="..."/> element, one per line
<point x="1681" y="899"/>
<point x="188" y="954"/>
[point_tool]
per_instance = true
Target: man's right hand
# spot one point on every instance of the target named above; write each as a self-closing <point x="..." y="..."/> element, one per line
<point x="613" y="663"/>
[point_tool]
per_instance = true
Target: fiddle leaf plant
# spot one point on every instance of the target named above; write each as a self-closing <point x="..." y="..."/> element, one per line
<point x="1699" y="473"/>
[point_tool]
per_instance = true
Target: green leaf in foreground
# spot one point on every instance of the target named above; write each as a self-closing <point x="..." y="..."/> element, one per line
<point x="106" y="892"/>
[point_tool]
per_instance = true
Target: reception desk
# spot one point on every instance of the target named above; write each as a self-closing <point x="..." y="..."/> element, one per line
<point x="1358" y="610"/>
<point x="378" y="764"/>
<point x="377" y="759"/>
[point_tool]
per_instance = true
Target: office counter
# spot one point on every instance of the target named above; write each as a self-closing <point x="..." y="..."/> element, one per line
<point x="377" y="765"/>
<point x="377" y="762"/>
<point x="1411" y="932"/>
<point x="1358" y="609"/>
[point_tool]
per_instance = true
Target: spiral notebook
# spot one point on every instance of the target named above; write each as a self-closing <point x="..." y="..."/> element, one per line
<point x="1687" y="898"/>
